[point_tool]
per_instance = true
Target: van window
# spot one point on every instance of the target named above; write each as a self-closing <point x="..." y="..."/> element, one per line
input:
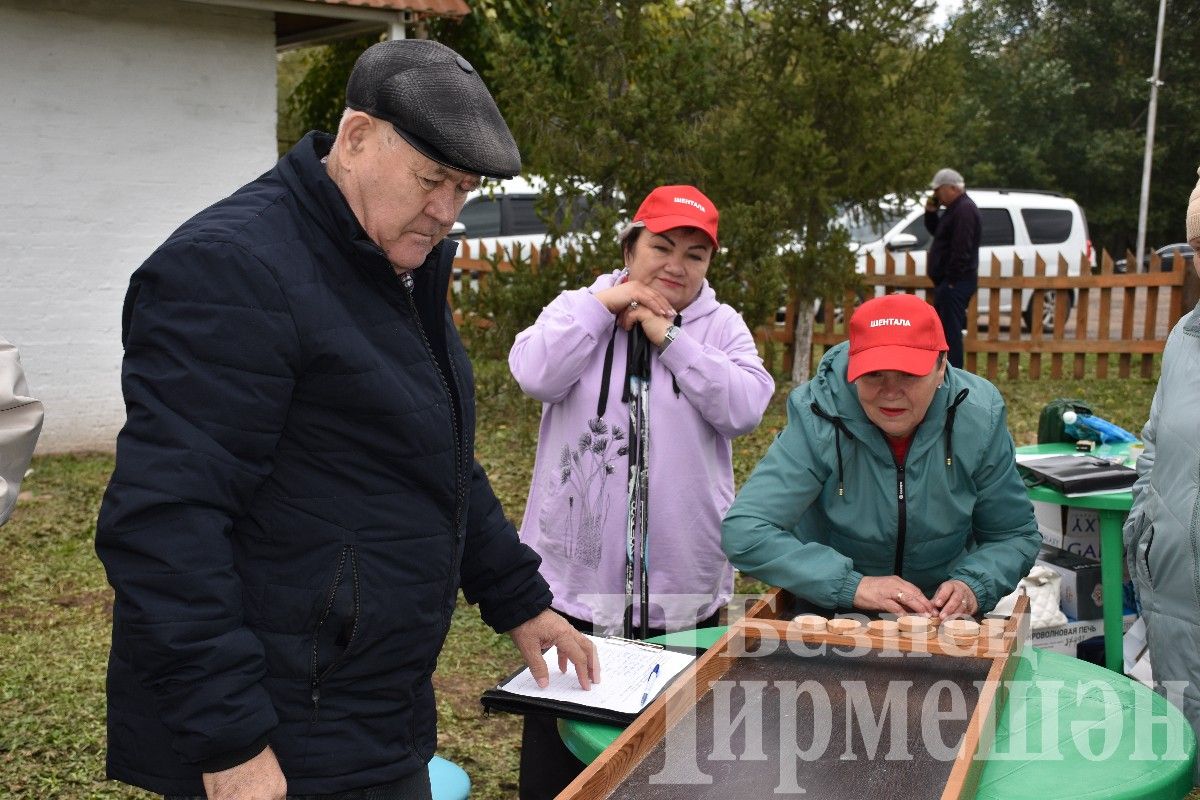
<point x="863" y="228"/>
<point x="481" y="216"/>
<point x="1047" y="225"/>
<point x="522" y="217"/>
<point x="917" y="228"/>
<point x="997" y="228"/>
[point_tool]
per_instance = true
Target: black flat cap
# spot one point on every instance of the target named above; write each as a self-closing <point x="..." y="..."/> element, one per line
<point x="436" y="100"/>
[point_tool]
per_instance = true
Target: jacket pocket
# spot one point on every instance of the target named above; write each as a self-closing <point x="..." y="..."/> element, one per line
<point x="337" y="625"/>
<point x="1141" y="560"/>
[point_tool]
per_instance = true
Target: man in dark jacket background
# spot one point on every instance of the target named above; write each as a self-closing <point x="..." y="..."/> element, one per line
<point x="296" y="501"/>
<point x="953" y="262"/>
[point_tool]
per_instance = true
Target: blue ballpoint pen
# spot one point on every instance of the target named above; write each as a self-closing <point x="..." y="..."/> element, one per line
<point x="650" y="684"/>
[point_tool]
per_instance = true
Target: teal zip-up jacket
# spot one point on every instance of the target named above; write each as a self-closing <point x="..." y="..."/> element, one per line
<point x="828" y="503"/>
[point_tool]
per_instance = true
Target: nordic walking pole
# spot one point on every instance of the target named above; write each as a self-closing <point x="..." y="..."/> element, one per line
<point x="637" y="528"/>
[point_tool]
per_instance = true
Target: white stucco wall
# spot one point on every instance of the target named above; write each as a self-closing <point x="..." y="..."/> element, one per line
<point x="119" y="119"/>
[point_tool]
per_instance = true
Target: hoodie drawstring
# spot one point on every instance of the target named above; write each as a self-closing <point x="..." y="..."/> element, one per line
<point x="602" y="405"/>
<point x="839" y="428"/>
<point x="606" y="375"/>
<point x="949" y="429"/>
<point x="674" y="383"/>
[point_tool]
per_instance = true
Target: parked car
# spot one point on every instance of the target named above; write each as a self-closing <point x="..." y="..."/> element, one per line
<point x="1167" y="255"/>
<point x="504" y="214"/>
<point x="1016" y="224"/>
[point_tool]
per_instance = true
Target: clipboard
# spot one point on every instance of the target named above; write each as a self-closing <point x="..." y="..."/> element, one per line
<point x="632" y="674"/>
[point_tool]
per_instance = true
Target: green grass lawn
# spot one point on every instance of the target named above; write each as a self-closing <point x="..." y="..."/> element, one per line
<point x="55" y="605"/>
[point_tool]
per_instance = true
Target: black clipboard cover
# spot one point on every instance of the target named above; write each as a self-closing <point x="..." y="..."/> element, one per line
<point x="501" y="700"/>
<point x="1079" y="474"/>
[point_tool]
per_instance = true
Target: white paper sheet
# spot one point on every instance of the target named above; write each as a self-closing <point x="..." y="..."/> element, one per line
<point x="625" y="684"/>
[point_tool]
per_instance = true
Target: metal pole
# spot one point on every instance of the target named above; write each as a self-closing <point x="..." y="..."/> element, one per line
<point x="1144" y="204"/>
<point x="637" y="561"/>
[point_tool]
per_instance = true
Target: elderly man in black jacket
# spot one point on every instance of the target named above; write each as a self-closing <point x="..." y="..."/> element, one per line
<point x="953" y="262"/>
<point x="296" y="501"/>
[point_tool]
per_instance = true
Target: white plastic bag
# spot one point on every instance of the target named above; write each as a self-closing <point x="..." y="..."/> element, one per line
<point x="1043" y="585"/>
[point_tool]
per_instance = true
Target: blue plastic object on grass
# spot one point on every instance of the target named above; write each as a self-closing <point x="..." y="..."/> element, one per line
<point x="448" y="780"/>
<point x="1097" y="429"/>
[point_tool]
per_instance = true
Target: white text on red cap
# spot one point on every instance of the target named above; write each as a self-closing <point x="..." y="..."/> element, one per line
<point x="690" y="202"/>
<point x="891" y="321"/>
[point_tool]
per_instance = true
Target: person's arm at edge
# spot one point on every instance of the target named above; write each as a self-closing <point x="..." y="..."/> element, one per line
<point x="182" y="475"/>
<point x="931" y="221"/>
<point x="20" y="423"/>
<point x="758" y="533"/>
<point x="1135" y="521"/>
<point x="727" y="384"/>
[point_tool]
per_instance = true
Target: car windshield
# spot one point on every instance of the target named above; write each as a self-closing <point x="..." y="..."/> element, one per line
<point x="864" y="228"/>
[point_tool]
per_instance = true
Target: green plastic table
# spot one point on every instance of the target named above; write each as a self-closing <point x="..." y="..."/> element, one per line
<point x="1097" y="745"/>
<point x="1113" y="508"/>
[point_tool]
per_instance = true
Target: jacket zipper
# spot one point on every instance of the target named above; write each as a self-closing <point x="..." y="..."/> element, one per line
<point x="901" y="521"/>
<point x="315" y="687"/>
<point x="406" y="280"/>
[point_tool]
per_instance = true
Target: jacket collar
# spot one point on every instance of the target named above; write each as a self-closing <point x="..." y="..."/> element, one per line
<point x="837" y="397"/>
<point x="302" y="171"/>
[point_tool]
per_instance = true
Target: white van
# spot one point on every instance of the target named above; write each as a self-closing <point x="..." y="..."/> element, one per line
<point x="501" y="213"/>
<point x="1021" y="224"/>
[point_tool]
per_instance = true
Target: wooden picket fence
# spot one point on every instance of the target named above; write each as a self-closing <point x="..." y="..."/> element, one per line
<point x="1105" y="319"/>
<point x="1115" y="319"/>
<point x="474" y="263"/>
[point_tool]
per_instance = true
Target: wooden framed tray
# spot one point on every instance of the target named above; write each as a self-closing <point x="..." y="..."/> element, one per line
<point x="773" y="710"/>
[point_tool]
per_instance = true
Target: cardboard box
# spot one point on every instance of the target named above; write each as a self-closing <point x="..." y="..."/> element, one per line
<point x="1066" y="638"/>
<point x="1081" y="532"/>
<point x="1080" y="596"/>
<point x="1050" y="519"/>
<point x="1076" y="530"/>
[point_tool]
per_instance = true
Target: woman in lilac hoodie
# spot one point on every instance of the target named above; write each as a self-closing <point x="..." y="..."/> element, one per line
<point x="707" y="386"/>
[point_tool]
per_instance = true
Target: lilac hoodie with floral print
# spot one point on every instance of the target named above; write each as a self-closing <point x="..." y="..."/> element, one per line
<point x="707" y="387"/>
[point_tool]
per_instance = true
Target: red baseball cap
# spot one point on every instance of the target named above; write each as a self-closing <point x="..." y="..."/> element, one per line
<point x="678" y="207"/>
<point x="896" y="331"/>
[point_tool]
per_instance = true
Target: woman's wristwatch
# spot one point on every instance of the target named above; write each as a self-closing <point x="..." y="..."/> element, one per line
<point x="668" y="337"/>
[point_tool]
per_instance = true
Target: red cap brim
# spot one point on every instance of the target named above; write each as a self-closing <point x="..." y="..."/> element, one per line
<point x="913" y="360"/>
<point x="662" y="224"/>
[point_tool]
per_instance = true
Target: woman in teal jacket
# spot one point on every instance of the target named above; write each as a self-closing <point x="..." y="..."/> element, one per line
<point x="894" y="486"/>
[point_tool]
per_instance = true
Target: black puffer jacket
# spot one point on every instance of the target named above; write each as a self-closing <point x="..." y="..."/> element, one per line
<point x="296" y="501"/>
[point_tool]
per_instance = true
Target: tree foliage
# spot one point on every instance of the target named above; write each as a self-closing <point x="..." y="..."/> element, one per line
<point x="847" y="104"/>
<point x="1055" y="96"/>
<point x="611" y="99"/>
<point x="784" y="112"/>
<point x="318" y="99"/>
